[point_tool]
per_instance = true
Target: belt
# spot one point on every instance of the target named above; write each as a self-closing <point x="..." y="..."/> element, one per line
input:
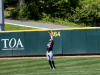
<point x="49" y="51"/>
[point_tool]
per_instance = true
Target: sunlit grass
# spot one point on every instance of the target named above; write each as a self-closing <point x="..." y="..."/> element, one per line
<point x="9" y="27"/>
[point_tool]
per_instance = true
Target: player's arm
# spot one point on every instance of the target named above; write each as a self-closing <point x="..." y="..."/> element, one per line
<point x="50" y="33"/>
<point x="51" y="37"/>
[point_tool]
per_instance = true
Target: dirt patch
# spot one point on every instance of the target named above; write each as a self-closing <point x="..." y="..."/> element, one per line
<point x="46" y="57"/>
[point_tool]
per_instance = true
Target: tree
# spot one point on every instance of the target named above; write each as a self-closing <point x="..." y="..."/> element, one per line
<point x="21" y="3"/>
<point x="10" y="3"/>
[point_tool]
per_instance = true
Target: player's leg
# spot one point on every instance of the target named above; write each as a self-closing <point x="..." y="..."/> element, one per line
<point x="51" y="58"/>
<point x="53" y="65"/>
<point x="50" y="63"/>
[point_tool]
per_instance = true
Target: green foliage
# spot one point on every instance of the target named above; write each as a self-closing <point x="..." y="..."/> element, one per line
<point x="46" y="17"/>
<point x="85" y="12"/>
<point x="10" y="3"/>
<point x="15" y="13"/>
<point x="89" y="14"/>
<point x="32" y="10"/>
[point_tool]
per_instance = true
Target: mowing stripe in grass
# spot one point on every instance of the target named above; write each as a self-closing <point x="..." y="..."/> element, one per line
<point x="20" y="64"/>
<point x="41" y="66"/>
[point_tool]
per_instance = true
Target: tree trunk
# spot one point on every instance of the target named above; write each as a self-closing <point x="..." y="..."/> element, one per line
<point x="21" y="3"/>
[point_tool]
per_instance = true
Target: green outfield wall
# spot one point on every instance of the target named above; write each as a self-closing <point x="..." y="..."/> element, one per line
<point x="66" y="41"/>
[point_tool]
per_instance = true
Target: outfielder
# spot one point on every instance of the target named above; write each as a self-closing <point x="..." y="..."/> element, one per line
<point x="49" y="52"/>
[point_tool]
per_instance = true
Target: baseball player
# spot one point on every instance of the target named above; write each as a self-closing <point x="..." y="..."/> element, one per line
<point x="49" y="53"/>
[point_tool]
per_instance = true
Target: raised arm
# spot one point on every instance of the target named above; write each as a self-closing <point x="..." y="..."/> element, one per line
<point x="50" y="33"/>
<point x="51" y="37"/>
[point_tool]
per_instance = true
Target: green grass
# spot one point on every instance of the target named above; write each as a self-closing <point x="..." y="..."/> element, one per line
<point x="9" y="27"/>
<point x="40" y="66"/>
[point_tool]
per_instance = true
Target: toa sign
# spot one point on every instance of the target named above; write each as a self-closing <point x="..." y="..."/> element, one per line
<point x="12" y="44"/>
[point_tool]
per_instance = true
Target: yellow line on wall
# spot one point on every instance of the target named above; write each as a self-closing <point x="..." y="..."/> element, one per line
<point x="50" y="29"/>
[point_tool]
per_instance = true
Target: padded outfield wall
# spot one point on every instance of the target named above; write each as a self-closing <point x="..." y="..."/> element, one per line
<point x="34" y="42"/>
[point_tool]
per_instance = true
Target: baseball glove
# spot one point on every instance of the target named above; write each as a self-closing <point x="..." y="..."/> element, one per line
<point x="50" y="32"/>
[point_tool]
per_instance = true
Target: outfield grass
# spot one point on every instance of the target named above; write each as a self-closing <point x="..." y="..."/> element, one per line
<point x="40" y="66"/>
<point x="9" y="27"/>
